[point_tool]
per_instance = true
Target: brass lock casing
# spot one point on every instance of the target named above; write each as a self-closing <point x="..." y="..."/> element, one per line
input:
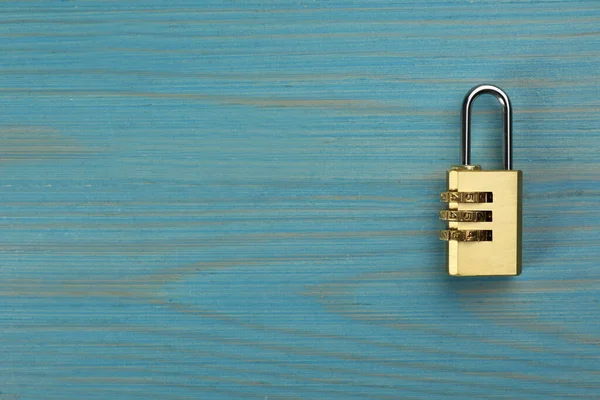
<point x="484" y="207"/>
<point x="493" y="210"/>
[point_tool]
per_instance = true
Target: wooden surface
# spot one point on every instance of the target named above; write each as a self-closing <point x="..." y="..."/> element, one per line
<point x="238" y="200"/>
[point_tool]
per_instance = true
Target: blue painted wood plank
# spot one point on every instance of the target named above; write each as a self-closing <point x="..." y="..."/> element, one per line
<point x="225" y="200"/>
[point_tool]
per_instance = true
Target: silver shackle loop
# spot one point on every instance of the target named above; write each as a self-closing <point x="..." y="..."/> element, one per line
<point x="466" y="122"/>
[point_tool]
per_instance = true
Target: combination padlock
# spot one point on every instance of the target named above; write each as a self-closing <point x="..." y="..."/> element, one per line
<point x="484" y="207"/>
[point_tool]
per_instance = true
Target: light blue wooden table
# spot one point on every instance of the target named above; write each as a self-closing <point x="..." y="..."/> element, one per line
<point x="238" y="200"/>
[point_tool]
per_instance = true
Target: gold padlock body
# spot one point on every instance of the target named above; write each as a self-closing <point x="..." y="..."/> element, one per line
<point x="500" y="253"/>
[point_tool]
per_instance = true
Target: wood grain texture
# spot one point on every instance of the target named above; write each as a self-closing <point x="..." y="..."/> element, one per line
<point x="239" y="200"/>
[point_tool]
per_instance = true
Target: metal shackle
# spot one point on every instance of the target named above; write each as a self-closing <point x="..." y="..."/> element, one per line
<point x="465" y="150"/>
